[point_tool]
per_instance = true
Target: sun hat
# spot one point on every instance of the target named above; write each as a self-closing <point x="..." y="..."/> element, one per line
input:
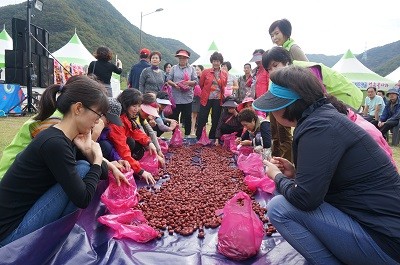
<point x="277" y="97"/>
<point x="145" y="51"/>
<point x="183" y="53"/>
<point x="150" y="110"/>
<point x="245" y="100"/>
<point x="114" y="111"/>
<point x="230" y="103"/>
<point x="163" y="101"/>
<point x="393" y="90"/>
<point x="257" y="57"/>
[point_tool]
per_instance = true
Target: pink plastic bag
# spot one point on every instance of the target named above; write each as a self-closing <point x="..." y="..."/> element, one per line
<point x="120" y="199"/>
<point x="167" y="88"/>
<point x="149" y="163"/>
<point x="204" y="140"/>
<point x="197" y="91"/>
<point x="241" y="231"/>
<point x="251" y="164"/>
<point x="131" y="225"/>
<point x="266" y="184"/>
<point x="176" y="138"/>
<point x="167" y="110"/>
<point x="163" y="145"/>
<point x="228" y="91"/>
<point x="229" y="140"/>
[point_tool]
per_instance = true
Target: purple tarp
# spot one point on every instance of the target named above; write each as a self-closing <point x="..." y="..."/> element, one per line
<point x="90" y="242"/>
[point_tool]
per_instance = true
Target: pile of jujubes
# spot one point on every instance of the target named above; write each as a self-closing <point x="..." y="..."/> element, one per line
<point x="197" y="181"/>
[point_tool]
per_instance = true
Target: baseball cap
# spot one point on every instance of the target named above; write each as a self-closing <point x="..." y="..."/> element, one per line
<point x="114" y="111"/>
<point x="145" y="51"/>
<point x="277" y="97"/>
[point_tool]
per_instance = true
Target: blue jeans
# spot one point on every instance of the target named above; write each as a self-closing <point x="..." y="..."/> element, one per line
<point x="325" y="235"/>
<point x="50" y="207"/>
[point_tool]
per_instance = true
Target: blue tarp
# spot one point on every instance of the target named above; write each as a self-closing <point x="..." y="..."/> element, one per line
<point x="11" y="96"/>
<point x="80" y="239"/>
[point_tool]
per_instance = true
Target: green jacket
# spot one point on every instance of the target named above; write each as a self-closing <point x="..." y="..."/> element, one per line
<point x="337" y="85"/>
<point x="22" y="139"/>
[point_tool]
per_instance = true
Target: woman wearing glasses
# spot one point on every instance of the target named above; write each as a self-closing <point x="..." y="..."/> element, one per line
<point x="61" y="167"/>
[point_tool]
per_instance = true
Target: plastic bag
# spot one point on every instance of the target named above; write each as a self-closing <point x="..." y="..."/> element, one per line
<point x="265" y="183"/>
<point x="229" y="140"/>
<point x="168" y="89"/>
<point x="120" y="199"/>
<point x="149" y="163"/>
<point x="204" y="140"/>
<point x="167" y="110"/>
<point x="241" y="231"/>
<point x="228" y="91"/>
<point x="197" y="91"/>
<point x="163" y="145"/>
<point x="131" y="225"/>
<point x="176" y="138"/>
<point x="251" y="164"/>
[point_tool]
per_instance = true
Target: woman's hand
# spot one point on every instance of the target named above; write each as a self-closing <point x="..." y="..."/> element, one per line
<point x="118" y="175"/>
<point x="161" y="160"/>
<point x="245" y="143"/>
<point x="149" y="178"/>
<point x="152" y="149"/>
<point x="238" y="140"/>
<point x="125" y="165"/>
<point x="119" y="63"/>
<point x="283" y="165"/>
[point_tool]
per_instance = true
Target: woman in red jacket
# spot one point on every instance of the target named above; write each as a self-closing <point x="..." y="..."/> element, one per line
<point x="212" y="82"/>
<point x="120" y="136"/>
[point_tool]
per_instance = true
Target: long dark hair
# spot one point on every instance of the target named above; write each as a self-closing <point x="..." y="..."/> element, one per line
<point x="129" y="97"/>
<point x="76" y="89"/>
<point x="303" y="82"/>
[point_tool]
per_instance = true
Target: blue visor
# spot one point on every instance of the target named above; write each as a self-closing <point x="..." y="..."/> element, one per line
<point x="277" y="97"/>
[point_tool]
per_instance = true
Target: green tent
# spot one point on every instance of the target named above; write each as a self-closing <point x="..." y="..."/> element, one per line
<point x="359" y="74"/>
<point x="6" y="43"/>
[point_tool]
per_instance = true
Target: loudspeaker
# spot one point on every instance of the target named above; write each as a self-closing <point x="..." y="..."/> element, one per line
<point x="19" y="59"/>
<point x="19" y="34"/>
<point x="46" y="71"/>
<point x="39" y="37"/>
<point x="16" y="76"/>
<point x="46" y="41"/>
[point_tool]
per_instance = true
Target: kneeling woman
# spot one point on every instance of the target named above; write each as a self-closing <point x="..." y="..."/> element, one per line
<point x="47" y="180"/>
<point x="340" y="200"/>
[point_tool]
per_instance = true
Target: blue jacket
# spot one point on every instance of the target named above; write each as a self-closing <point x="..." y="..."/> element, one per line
<point x="338" y="162"/>
<point x="136" y="70"/>
<point x="389" y="114"/>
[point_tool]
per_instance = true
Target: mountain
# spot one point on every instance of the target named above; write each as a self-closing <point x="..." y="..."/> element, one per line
<point x="98" y="23"/>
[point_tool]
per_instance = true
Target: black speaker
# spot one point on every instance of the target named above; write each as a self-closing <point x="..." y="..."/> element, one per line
<point x="46" y="71"/>
<point x="19" y="34"/>
<point x="16" y="59"/>
<point x="46" y="41"/>
<point x="16" y="76"/>
<point x="39" y="37"/>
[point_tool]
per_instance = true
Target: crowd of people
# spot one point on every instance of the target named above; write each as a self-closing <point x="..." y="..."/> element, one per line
<point x="337" y="185"/>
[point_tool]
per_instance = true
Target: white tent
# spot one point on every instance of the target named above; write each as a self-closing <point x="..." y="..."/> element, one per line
<point x="74" y="52"/>
<point x="395" y="75"/>
<point x="6" y="43"/>
<point x="360" y="75"/>
<point x="204" y="60"/>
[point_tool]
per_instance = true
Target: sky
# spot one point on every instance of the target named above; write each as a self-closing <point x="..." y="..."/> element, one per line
<point x="240" y="27"/>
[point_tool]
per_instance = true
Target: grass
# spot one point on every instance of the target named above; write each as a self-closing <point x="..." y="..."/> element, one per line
<point x="10" y="125"/>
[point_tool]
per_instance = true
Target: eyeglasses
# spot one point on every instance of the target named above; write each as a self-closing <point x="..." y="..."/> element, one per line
<point x="98" y="114"/>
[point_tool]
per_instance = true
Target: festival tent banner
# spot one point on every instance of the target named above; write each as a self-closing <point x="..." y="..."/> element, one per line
<point x="359" y="74"/>
<point x="395" y="75"/>
<point x="6" y="43"/>
<point x="76" y="58"/>
<point x="204" y="60"/>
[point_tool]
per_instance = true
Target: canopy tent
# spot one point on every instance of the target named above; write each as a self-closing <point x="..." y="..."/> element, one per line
<point x="204" y="60"/>
<point x="6" y="43"/>
<point x="75" y="57"/>
<point x="395" y="75"/>
<point x="360" y="75"/>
